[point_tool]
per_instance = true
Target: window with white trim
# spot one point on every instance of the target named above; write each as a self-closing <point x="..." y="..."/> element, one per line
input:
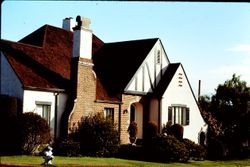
<point x="178" y="114"/>
<point x="44" y="110"/>
<point x="109" y="113"/>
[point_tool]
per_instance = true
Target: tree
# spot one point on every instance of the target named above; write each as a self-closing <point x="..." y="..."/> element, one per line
<point x="227" y="114"/>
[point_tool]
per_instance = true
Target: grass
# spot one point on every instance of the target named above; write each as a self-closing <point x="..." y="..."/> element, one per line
<point x="90" y="161"/>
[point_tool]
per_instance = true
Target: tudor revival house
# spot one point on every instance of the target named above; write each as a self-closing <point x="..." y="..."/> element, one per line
<point x="64" y="74"/>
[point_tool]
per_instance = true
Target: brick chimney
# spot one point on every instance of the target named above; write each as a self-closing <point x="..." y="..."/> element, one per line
<point x="83" y="77"/>
<point x="68" y="24"/>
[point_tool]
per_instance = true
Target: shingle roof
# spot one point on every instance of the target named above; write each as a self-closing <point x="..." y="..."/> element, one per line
<point x="116" y="63"/>
<point x="166" y="78"/>
<point x="42" y="59"/>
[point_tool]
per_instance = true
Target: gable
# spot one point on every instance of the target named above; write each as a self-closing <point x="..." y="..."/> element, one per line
<point x="116" y="63"/>
<point x="150" y="72"/>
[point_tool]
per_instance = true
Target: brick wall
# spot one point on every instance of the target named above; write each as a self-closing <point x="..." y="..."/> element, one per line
<point x="125" y="115"/>
<point x="86" y="103"/>
<point x="85" y="91"/>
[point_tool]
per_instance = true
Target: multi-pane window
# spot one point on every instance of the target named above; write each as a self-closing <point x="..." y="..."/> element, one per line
<point x="109" y="113"/>
<point x="158" y="57"/>
<point x="44" y="110"/>
<point x="178" y="114"/>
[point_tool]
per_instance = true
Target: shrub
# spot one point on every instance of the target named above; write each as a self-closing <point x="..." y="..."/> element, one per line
<point x="98" y="136"/>
<point x="132" y="129"/>
<point x="68" y="147"/>
<point x="22" y="134"/>
<point x="34" y="132"/>
<point x="150" y="133"/>
<point x="167" y="148"/>
<point x="10" y="135"/>
<point x="197" y="152"/>
<point x="177" y="131"/>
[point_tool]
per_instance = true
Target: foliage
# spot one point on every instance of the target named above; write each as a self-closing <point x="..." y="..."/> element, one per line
<point x="177" y="131"/>
<point x="196" y="152"/>
<point x="228" y="113"/>
<point x="10" y="133"/>
<point x="132" y="129"/>
<point x="168" y="148"/>
<point x="98" y="136"/>
<point x="23" y="133"/>
<point x="68" y="148"/>
<point x="34" y="131"/>
<point x="151" y="131"/>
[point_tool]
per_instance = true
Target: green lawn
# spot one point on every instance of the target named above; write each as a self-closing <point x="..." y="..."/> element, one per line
<point x="89" y="161"/>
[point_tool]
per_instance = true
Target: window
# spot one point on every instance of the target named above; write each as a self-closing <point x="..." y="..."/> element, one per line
<point x="158" y="58"/>
<point x="178" y="114"/>
<point x="44" y="110"/>
<point x="109" y="113"/>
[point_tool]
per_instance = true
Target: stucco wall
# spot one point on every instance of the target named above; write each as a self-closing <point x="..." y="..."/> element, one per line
<point x="31" y="97"/>
<point x="10" y="84"/>
<point x="149" y="71"/>
<point x="182" y="95"/>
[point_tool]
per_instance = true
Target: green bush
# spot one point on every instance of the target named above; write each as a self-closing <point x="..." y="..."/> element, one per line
<point x="34" y="132"/>
<point x="98" y="136"/>
<point x="22" y="134"/>
<point x="177" y="131"/>
<point x="167" y="148"/>
<point x="68" y="148"/>
<point x="197" y="152"/>
<point x="150" y="133"/>
<point x="10" y="135"/>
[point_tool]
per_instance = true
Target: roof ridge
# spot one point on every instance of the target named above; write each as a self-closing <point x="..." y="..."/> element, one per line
<point x="8" y="42"/>
<point x="134" y="40"/>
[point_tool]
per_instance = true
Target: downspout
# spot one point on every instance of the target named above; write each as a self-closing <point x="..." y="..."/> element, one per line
<point x="55" y="125"/>
<point x="119" y="122"/>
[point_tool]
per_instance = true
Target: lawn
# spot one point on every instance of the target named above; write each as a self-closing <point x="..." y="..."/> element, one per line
<point x="90" y="161"/>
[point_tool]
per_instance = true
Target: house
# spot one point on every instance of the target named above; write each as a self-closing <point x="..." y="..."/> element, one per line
<point x="66" y="73"/>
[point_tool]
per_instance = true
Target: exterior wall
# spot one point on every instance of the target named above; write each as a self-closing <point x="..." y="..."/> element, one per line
<point x="154" y="111"/>
<point x="149" y="73"/>
<point x="127" y="100"/>
<point x="82" y="43"/>
<point x="10" y="84"/>
<point x="183" y="95"/>
<point x="85" y="92"/>
<point x="31" y="97"/>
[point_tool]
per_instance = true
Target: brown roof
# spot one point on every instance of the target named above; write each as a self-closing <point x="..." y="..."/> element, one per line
<point x="42" y="59"/>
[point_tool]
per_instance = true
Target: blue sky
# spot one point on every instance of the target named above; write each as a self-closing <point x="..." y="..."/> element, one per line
<point x="211" y="40"/>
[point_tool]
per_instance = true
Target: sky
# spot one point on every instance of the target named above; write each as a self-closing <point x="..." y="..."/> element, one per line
<point x="210" y="39"/>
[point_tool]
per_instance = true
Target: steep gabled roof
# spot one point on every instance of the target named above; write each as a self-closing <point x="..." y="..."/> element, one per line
<point x="166" y="78"/>
<point x="116" y="63"/>
<point x="43" y="58"/>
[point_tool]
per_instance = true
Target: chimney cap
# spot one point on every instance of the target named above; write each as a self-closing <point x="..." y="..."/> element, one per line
<point x="82" y="22"/>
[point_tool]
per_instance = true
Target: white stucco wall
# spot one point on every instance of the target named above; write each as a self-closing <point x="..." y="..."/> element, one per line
<point x="149" y="71"/>
<point x="82" y="43"/>
<point x="31" y="97"/>
<point x="176" y="94"/>
<point x="10" y="83"/>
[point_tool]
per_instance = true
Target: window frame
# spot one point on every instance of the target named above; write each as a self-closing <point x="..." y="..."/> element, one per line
<point x="179" y="114"/>
<point x="109" y="113"/>
<point x="45" y="110"/>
